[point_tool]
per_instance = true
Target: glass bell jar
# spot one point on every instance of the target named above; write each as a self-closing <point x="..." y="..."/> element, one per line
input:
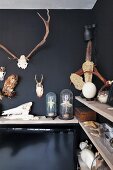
<point x="51" y="105"/>
<point x="66" y="104"/>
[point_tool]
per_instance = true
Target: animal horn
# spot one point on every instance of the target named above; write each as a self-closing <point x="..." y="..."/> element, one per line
<point x="46" y="23"/>
<point x="42" y="78"/>
<point x="9" y="52"/>
<point x="36" y="79"/>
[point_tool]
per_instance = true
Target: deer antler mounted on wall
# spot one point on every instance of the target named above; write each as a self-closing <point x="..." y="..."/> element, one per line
<point x="22" y="62"/>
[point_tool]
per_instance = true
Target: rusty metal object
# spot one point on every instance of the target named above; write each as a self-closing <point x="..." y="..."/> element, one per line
<point x="9" y="85"/>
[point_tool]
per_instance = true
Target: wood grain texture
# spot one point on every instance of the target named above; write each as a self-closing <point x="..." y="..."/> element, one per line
<point x="100" y="108"/>
<point x="42" y="120"/>
<point x="99" y="144"/>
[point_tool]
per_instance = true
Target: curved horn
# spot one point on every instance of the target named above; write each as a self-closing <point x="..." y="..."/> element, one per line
<point x="9" y="52"/>
<point x="42" y="78"/>
<point x="46" y="23"/>
<point x="36" y="79"/>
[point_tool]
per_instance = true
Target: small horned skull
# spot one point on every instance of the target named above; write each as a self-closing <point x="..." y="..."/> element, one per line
<point x="2" y="73"/>
<point x="39" y="87"/>
<point x="22" y="62"/>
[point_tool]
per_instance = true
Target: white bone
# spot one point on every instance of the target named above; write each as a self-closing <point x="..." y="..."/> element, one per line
<point x="22" y="62"/>
<point x="23" y="117"/>
<point x="23" y="109"/>
<point x="39" y="87"/>
<point x="2" y="73"/>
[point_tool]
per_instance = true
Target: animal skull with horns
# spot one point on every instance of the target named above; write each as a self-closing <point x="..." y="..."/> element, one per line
<point x="39" y="87"/>
<point x="22" y="62"/>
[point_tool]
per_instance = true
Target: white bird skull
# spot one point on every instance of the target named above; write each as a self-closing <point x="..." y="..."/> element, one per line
<point x="39" y="87"/>
<point x="2" y="73"/>
<point x="22" y="62"/>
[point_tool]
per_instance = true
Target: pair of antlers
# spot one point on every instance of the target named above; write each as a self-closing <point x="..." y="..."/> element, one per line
<point x="46" y="23"/>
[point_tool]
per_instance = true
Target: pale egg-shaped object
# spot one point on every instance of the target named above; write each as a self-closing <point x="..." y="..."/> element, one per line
<point x="89" y="90"/>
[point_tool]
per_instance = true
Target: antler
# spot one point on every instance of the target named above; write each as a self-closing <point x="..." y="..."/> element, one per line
<point x="46" y="23"/>
<point x="36" y="79"/>
<point x="40" y="80"/>
<point x="9" y="52"/>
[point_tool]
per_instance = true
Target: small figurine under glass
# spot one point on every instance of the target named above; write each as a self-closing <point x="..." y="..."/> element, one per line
<point x="51" y="105"/>
<point x="66" y="104"/>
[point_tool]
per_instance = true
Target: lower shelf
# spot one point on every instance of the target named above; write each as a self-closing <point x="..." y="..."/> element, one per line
<point x="42" y="120"/>
<point x="97" y="141"/>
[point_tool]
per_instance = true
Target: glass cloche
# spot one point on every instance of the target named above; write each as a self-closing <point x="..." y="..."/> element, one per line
<point x="66" y="104"/>
<point x="51" y="105"/>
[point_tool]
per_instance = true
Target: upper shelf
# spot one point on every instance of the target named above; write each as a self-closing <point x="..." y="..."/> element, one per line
<point x="42" y="120"/>
<point x="98" y="107"/>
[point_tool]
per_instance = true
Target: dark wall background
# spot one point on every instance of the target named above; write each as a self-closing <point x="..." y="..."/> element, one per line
<point x="103" y="17"/>
<point x="64" y="52"/>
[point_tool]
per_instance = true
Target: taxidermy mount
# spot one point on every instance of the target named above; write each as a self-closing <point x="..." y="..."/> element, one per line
<point x="22" y="62"/>
<point x="39" y="87"/>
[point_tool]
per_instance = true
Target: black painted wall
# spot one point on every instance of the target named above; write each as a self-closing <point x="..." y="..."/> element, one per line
<point x="63" y="53"/>
<point x="103" y="17"/>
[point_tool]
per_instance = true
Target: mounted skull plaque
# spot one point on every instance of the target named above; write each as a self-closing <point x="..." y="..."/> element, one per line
<point x="22" y="61"/>
<point x="39" y="87"/>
